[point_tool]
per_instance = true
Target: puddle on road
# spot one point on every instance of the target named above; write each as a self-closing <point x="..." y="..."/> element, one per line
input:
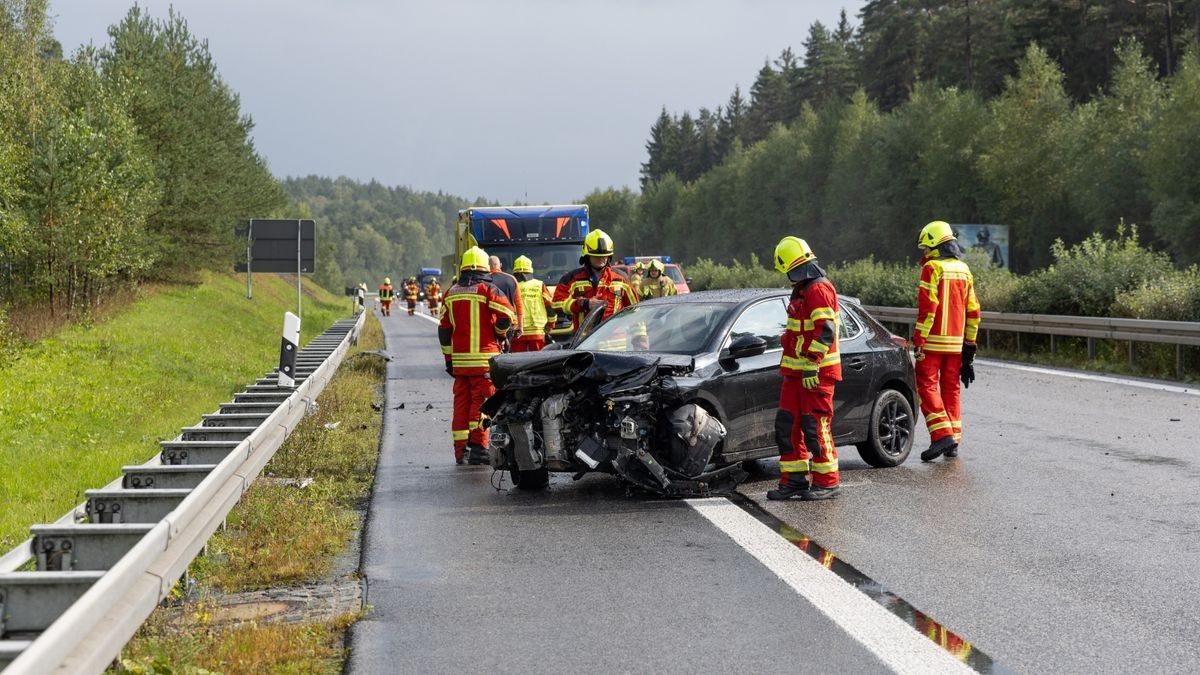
<point x="957" y="647"/>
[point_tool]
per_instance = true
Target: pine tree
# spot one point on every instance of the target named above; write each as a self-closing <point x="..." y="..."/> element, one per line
<point x="658" y="149"/>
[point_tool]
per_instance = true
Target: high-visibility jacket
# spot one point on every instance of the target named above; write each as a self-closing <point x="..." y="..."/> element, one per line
<point x="411" y="291"/>
<point x="474" y="318"/>
<point x="385" y="292"/>
<point x="433" y="292"/>
<point x="579" y="285"/>
<point x="947" y="310"/>
<point x="811" y="335"/>
<point x="538" y="304"/>
<point x="658" y="288"/>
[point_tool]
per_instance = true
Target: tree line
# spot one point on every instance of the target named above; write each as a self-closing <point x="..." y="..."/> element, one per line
<point x="1059" y="143"/>
<point x="121" y="163"/>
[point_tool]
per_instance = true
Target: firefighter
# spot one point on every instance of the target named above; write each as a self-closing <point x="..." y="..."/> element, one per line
<point x="636" y="277"/>
<point x="594" y="284"/>
<point x="507" y="284"/>
<point x="475" y="318"/>
<point x="539" y="314"/>
<point x="657" y="284"/>
<point x="411" y="291"/>
<point x="811" y="366"/>
<point x="385" y="296"/>
<point x="944" y="337"/>
<point x="433" y="294"/>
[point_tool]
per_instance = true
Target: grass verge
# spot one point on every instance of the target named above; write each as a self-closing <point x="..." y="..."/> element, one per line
<point x="77" y="406"/>
<point x="287" y="529"/>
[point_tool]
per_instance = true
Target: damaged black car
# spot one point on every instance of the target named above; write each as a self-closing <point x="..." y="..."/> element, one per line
<point x="673" y="395"/>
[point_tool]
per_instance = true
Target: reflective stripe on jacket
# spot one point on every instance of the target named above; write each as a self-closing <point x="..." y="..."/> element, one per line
<point x="577" y="286"/>
<point x="411" y="291"/>
<point x="474" y="317"/>
<point x="947" y="310"/>
<point x="811" y="335"/>
<point x="535" y="298"/>
<point x="385" y="292"/>
<point x="658" y="288"/>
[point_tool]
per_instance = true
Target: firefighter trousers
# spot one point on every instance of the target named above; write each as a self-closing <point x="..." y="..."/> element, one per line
<point x="938" y="392"/>
<point x="529" y="343"/>
<point x="470" y="391"/>
<point x="412" y="307"/>
<point x="385" y="307"/>
<point x="804" y="432"/>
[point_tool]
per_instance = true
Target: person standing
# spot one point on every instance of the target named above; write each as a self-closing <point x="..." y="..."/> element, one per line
<point x="811" y="366"/>
<point x="385" y="296"/>
<point x="411" y="292"/>
<point x="536" y="300"/>
<point x="944" y="337"/>
<point x="594" y="284"/>
<point x="657" y="284"/>
<point x="433" y="295"/>
<point x="507" y="284"/>
<point x="475" y="318"/>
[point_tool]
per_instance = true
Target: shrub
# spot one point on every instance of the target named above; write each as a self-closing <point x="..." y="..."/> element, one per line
<point x="875" y="283"/>
<point x="706" y="274"/>
<point x="1174" y="297"/>
<point x="1086" y="278"/>
<point x="995" y="287"/>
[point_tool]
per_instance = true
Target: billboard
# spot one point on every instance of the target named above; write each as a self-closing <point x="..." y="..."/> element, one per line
<point x="273" y="245"/>
<point x="992" y="240"/>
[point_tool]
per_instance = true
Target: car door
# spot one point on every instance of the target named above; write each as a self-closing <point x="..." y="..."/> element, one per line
<point x="749" y="391"/>
<point x="853" y="396"/>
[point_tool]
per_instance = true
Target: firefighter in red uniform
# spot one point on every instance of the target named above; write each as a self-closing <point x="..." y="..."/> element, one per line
<point x="475" y="318"/>
<point x="539" y="312"/>
<point x="810" y="366"/>
<point x="595" y="284"/>
<point x="433" y="294"/>
<point x="411" y="291"/>
<point x="385" y="296"/>
<point x="944" y="337"/>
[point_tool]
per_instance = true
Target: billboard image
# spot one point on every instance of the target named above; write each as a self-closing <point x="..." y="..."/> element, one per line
<point x="990" y="239"/>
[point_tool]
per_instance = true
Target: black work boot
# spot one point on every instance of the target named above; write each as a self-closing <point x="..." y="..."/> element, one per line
<point x="477" y="454"/>
<point x="939" y="448"/>
<point x="817" y="493"/>
<point x="789" y="488"/>
<point x="953" y="452"/>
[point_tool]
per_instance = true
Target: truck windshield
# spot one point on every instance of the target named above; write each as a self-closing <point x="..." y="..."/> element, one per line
<point x="550" y="261"/>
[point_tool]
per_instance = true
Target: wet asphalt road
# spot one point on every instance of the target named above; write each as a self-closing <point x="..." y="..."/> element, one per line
<point x="1061" y="540"/>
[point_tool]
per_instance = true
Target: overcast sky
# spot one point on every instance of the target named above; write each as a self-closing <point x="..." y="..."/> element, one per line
<point x="538" y="100"/>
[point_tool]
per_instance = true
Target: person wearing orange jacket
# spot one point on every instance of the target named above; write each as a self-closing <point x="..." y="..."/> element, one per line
<point x="944" y="337"/>
<point x="811" y="366"/>
<point x="539" y="313"/>
<point x="433" y="294"/>
<point x="593" y="285"/>
<point x="386" y="293"/>
<point x="475" y="318"/>
<point x="411" y="292"/>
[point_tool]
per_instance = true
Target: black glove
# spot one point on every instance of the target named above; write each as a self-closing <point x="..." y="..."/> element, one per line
<point x="449" y="368"/>
<point x="967" y="374"/>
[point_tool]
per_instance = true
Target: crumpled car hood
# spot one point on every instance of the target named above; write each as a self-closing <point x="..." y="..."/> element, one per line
<point x="613" y="370"/>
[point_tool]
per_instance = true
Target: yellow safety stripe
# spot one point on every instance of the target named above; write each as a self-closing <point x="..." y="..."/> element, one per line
<point x="446" y="349"/>
<point x="825" y="467"/>
<point x="795" y="466"/>
<point x="795" y="324"/>
<point x="819" y="348"/>
<point x="831" y="360"/>
<point x="460" y="434"/>
<point x="502" y="309"/>
<point x="819" y="313"/>
<point x="937" y="414"/>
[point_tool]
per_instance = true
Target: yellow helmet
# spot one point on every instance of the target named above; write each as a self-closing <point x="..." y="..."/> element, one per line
<point x="790" y="253"/>
<point x="658" y="265"/>
<point x="522" y="264"/>
<point x="387" y="281"/>
<point x="475" y="259"/>
<point x="598" y="244"/>
<point x="934" y="234"/>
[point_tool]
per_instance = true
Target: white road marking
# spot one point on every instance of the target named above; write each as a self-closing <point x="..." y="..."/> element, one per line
<point x="898" y="645"/>
<point x="426" y="316"/>
<point x="1088" y="376"/>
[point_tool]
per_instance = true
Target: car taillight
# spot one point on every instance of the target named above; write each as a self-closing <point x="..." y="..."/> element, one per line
<point x="901" y="342"/>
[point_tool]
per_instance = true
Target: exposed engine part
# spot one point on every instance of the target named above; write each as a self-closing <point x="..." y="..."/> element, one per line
<point x="696" y="436"/>
<point x="552" y="423"/>
<point x="525" y="447"/>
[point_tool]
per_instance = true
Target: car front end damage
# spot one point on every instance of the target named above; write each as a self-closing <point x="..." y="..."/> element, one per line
<point x="620" y="413"/>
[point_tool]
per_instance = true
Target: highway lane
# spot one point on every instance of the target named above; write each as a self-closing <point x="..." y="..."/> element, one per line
<point x="461" y="577"/>
<point x="1065" y="538"/>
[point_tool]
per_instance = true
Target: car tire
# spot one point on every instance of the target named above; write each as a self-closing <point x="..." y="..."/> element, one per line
<point x="535" y="479"/>
<point x="890" y="436"/>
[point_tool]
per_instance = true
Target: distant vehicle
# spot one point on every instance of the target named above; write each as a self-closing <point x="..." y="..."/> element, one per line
<point x="550" y="236"/>
<point x="671" y="269"/>
<point x="672" y="394"/>
<point x="426" y="275"/>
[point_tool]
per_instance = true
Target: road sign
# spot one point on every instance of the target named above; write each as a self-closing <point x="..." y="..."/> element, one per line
<point x="272" y="245"/>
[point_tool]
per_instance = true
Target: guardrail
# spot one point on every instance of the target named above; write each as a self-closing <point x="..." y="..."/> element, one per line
<point x="97" y="581"/>
<point x="1178" y="333"/>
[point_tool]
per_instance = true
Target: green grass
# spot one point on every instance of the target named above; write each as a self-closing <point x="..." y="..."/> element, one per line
<point x="76" y="407"/>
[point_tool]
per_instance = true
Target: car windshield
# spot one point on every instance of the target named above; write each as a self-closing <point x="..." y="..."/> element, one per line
<point x="673" y="328"/>
<point x="674" y="274"/>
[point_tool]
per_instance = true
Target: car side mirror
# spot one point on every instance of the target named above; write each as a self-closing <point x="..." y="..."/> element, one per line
<point x="688" y="281"/>
<point x="747" y="345"/>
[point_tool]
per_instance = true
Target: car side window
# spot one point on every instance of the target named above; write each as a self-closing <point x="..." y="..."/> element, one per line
<point x="849" y="325"/>
<point x="766" y="320"/>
